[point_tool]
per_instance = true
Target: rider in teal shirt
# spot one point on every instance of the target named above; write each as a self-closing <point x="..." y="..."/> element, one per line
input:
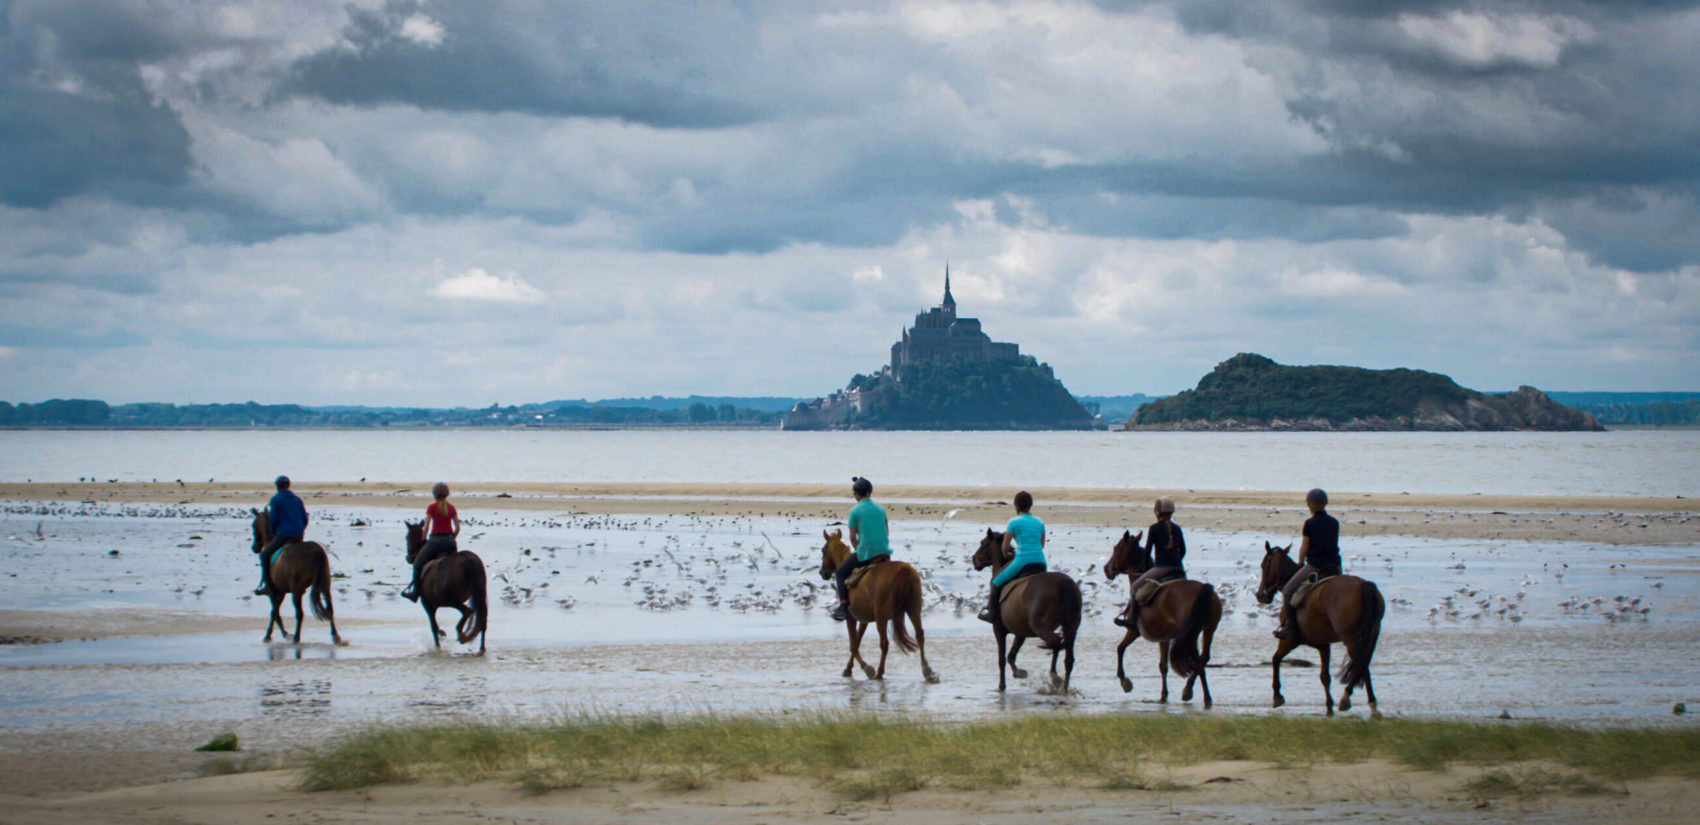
<point x="1027" y="533"/>
<point x="868" y="534"/>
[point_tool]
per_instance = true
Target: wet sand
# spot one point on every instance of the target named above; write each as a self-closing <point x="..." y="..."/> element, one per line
<point x="1595" y="519"/>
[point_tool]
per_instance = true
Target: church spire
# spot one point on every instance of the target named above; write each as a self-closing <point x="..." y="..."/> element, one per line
<point x="949" y="302"/>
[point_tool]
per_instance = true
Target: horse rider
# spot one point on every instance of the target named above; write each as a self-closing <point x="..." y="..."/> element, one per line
<point x="1167" y="546"/>
<point x="442" y="528"/>
<point x="1027" y="533"/>
<point x="286" y="516"/>
<point x="868" y="535"/>
<point x="1319" y="556"/>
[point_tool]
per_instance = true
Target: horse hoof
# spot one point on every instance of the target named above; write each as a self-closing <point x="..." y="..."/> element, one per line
<point x="1186" y="695"/>
<point x="848" y="674"/>
<point x="1374" y="713"/>
<point x="1208" y="704"/>
<point x="1018" y="673"/>
<point x="1279" y="701"/>
<point x="1345" y="705"/>
<point x="1127" y="686"/>
<point x="868" y="672"/>
<point x="931" y="677"/>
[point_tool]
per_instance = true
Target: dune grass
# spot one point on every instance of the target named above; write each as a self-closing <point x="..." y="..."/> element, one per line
<point x="874" y="757"/>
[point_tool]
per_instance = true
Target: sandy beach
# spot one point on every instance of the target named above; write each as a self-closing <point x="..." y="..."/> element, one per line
<point x="1594" y="519"/>
<point x="148" y="771"/>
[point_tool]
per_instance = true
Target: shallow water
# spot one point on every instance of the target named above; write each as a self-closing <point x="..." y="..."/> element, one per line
<point x="1635" y="463"/>
<point x="644" y="614"/>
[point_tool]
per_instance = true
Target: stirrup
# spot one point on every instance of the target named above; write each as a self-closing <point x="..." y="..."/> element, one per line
<point x="263" y="590"/>
<point x="410" y="594"/>
<point x="840" y="613"/>
<point x="1122" y="620"/>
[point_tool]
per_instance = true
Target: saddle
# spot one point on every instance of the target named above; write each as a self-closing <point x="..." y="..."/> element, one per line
<point x="1148" y="589"/>
<point x="1014" y="587"/>
<point x="1310" y="584"/>
<point x="857" y="574"/>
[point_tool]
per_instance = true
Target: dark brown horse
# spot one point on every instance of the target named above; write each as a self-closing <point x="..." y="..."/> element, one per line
<point x="1045" y="605"/>
<point x="1343" y="609"/>
<point x="296" y="569"/>
<point x="887" y="592"/>
<point x="457" y="581"/>
<point x="1181" y="619"/>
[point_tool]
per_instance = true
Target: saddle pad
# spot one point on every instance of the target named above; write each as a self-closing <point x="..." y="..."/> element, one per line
<point x="857" y="574"/>
<point x="1014" y="587"/>
<point x="1148" y="590"/>
<point x="1300" y="594"/>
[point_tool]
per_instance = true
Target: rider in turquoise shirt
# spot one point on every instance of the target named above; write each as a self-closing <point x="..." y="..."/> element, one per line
<point x="868" y="534"/>
<point x="1027" y="533"/>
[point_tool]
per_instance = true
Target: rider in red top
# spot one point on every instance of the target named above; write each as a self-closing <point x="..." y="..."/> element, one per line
<point x="443" y="525"/>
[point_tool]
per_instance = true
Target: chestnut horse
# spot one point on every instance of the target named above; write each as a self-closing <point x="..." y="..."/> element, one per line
<point x="1343" y="609"/>
<point x="451" y="581"/>
<point x="887" y="592"/>
<point x="1182" y="614"/>
<point x="295" y="569"/>
<point x="1046" y="606"/>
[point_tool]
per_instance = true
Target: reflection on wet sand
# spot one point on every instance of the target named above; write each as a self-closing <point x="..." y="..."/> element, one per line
<point x="289" y="698"/>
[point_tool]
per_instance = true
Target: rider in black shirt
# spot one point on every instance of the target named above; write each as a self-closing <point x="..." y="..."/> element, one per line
<point x="1319" y="556"/>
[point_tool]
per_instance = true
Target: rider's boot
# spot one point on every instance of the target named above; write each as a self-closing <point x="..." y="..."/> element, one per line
<point x="411" y="593"/>
<point x="1286" y="631"/>
<point x="1124" y="618"/>
<point x="841" y="612"/>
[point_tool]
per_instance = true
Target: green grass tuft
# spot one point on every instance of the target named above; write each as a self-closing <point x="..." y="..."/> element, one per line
<point x="874" y="757"/>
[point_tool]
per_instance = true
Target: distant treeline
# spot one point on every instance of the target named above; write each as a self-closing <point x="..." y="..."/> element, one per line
<point x="94" y="413"/>
<point x="1635" y="409"/>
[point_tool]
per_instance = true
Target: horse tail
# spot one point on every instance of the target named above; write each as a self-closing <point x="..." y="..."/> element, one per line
<point x="904" y="592"/>
<point x="1184" y="655"/>
<point x="474" y="572"/>
<point x="1068" y="612"/>
<point x="320" y="597"/>
<point x="1368" y="632"/>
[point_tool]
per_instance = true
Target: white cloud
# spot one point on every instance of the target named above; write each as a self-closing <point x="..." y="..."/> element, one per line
<point x="477" y="285"/>
<point x="422" y="30"/>
<point x="1482" y="40"/>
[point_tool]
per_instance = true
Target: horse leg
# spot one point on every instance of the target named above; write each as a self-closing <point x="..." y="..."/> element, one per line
<point x="885" y="646"/>
<point x="1163" y="670"/>
<point x="275" y="618"/>
<point x="1015" y="650"/>
<point x="1327" y="679"/>
<point x="436" y="632"/>
<point x="1002" y="642"/>
<point x="296" y="599"/>
<point x="1121" y="672"/>
<point x="1369" y="690"/>
<point x="849" y="667"/>
<point x="1285" y="647"/>
<point x="1068" y="662"/>
<point x="1204" y="658"/>
<point x="921" y="643"/>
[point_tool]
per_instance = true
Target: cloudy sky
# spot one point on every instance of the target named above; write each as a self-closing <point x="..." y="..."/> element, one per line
<point x="348" y="201"/>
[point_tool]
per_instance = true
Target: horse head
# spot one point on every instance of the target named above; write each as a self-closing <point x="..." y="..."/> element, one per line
<point x="1128" y="556"/>
<point x="415" y="538"/>
<point x="833" y="552"/>
<point x="990" y="553"/>
<point x="262" y="528"/>
<point x="1277" y="567"/>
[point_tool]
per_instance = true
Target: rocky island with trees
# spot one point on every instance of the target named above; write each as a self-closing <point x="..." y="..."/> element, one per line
<point x="1251" y="392"/>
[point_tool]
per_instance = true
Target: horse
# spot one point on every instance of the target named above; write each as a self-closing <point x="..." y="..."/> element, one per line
<point x="453" y="581"/>
<point x="1048" y="607"/>
<point x="1176" y="618"/>
<point x="297" y="568"/>
<point x="887" y="592"/>
<point x="1343" y="609"/>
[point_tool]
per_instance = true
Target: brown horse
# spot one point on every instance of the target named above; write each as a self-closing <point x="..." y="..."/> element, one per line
<point x="457" y="581"/>
<point x="1182" y="614"/>
<point x="887" y="592"/>
<point x="295" y="569"/>
<point x="1343" y="609"/>
<point x="1047" y="607"/>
